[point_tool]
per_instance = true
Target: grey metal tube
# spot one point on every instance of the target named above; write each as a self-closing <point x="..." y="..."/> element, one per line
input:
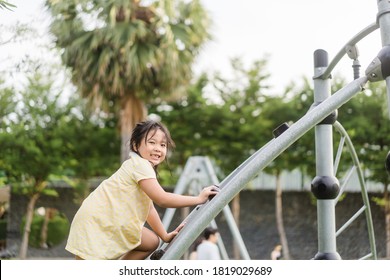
<point x="250" y="168"/>
<point x="324" y="165"/>
<point x="383" y="19"/>
<point x="230" y="219"/>
<point x="366" y="200"/>
<point x="181" y="188"/>
<point x="353" y="41"/>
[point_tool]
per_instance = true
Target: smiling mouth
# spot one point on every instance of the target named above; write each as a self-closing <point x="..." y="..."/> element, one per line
<point x="155" y="157"/>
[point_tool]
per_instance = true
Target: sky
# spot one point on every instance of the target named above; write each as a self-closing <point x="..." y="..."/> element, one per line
<point x="286" y="32"/>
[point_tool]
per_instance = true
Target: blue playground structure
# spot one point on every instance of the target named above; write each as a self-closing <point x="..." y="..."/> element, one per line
<point x="322" y="116"/>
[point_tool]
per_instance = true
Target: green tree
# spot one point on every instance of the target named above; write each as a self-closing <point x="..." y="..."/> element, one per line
<point x="92" y="144"/>
<point x="302" y="153"/>
<point x="31" y="146"/>
<point x="6" y="5"/>
<point x="129" y="52"/>
<point x="92" y="147"/>
<point x="41" y="136"/>
<point x="228" y="126"/>
<point x="366" y="120"/>
<point x="240" y="126"/>
<point x="180" y="115"/>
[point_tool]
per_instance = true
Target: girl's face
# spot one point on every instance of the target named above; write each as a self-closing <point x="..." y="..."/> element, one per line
<point x="154" y="149"/>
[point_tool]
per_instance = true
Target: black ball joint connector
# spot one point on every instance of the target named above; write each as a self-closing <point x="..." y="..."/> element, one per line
<point x="325" y="187"/>
<point x="379" y="68"/>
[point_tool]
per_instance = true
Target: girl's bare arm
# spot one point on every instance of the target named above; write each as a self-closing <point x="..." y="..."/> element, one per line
<point x="157" y="226"/>
<point x="171" y="200"/>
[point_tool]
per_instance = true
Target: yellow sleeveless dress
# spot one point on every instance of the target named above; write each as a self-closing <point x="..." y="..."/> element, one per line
<point x="110" y="220"/>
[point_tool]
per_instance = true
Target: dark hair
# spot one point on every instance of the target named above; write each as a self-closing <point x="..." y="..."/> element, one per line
<point x="209" y="231"/>
<point x="197" y="243"/>
<point x="142" y="130"/>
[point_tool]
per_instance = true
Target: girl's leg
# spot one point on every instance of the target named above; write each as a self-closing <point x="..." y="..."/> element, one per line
<point x="149" y="243"/>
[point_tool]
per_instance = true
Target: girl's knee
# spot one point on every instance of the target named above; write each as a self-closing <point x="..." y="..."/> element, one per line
<point x="150" y="241"/>
<point x="154" y="242"/>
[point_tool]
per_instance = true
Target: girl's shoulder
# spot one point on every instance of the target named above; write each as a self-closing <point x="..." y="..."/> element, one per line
<point x="139" y="167"/>
<point x="138" y="161"/>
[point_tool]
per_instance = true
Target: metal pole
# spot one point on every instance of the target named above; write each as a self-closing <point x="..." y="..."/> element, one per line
<point x="229" y="217"/>
<point x="325" y="186"/>
<point x="383" y="18"/>
<point x="366" y="200"/>
<point x="191" y="171"/>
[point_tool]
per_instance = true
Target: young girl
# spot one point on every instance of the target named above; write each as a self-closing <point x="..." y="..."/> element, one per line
<point x="110" y="222"/>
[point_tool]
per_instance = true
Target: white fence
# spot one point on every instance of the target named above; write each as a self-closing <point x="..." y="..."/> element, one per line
<point x="295" y="181"/>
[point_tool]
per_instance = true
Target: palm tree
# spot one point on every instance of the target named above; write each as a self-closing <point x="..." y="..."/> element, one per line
<point x="126" y="53"/>
<point x="6" y="5"/>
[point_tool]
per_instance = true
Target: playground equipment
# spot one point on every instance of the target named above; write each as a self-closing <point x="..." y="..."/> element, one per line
<point x="322" y="116"/>
<point x="199" y="172"/>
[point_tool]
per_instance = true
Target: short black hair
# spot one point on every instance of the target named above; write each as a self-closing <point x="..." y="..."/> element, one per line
<point x="142" y="130"/>
<point x="209" y="231"/>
